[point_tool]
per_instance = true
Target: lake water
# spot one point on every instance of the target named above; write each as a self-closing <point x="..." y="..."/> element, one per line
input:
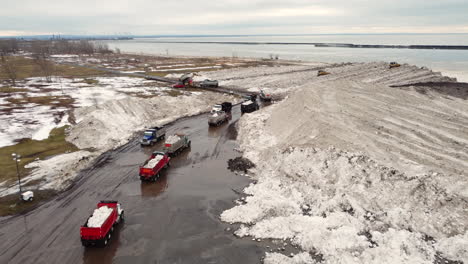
<point x="452" y="63"/>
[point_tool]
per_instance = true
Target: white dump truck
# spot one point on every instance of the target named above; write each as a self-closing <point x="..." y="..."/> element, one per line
<point x="218" y="118"/>
<point x="175" y="144"/>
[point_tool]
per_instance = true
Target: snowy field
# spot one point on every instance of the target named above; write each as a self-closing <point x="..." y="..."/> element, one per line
<point x="351" y="170"/>
<point x="39" y="106"/>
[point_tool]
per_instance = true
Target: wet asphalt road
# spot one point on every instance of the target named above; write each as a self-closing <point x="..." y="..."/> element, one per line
<point x="175" y="220"/>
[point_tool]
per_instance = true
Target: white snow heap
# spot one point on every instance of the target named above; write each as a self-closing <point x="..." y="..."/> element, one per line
<point x="380" y="195"/>
<point x="247" y="103"/>
<point x="153" y="162"/>
<point x="113" y="123"/>
<point x="172" y="139"/>
<point x="99" y="216"/>
<point x="283" y="79"/>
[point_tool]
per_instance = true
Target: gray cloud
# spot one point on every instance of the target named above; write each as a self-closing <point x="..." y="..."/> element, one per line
<point x="232" y="16"/>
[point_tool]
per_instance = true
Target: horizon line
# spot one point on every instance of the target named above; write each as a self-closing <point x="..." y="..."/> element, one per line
<point x="218" y="35"/>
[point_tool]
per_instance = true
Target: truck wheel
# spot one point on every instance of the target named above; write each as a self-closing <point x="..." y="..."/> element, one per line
<point x="104" y="242"/>
<point x="30" y="199"/>
<point x="122" y="217"/>
<point x="189" y="143"/>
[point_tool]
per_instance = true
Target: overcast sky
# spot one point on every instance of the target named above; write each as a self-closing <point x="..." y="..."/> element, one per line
<point x="153" y="17"/>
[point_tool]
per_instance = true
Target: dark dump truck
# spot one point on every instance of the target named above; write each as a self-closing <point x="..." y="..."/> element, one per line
<point x="209" y="84"/>
<point x="153" y="135"/>
<point x="224" y="107"/>
<point x="252" y="97"/>
<point x="249" y="106"/>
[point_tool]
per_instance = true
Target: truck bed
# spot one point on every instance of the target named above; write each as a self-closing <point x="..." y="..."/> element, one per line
<point x="150" y="164"/>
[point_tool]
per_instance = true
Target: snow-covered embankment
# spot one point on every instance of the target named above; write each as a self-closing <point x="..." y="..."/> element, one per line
<point x="354" y="172"/>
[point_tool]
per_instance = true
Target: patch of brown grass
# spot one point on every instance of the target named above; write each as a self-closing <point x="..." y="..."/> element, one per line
<point x="11" y="204"/>
<point x="56" y="101"/>
<point x="30" y="149"/>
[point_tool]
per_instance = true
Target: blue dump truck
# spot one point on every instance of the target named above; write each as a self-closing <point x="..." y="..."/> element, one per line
<point x="153" y="135"/>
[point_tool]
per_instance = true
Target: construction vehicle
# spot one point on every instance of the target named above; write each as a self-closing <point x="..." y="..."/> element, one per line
<point x="225" y="107"/>
<point x="218" y="118"/>
<point x="97" y="230"/>
<point x="322" y="73"/>
<point x="265" y="96"/>
<point x="249" y="106"/>
<point x="394" y="65"/>
<point x="152" y="135"/>
<point x="175" y="144"/>
<point x="209" y="83"/>
<point x="186" y="80"/>
<point x="252" y="97"/>
<point x="150" y="170"/>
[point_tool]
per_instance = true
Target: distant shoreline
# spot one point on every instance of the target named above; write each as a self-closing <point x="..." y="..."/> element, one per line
<point x="328" y="45"/>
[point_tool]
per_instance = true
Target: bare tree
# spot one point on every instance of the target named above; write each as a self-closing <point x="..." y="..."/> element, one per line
<point x="8" y="46"/>
<point x="46" y="67"/>
<point x="10" y="68"/>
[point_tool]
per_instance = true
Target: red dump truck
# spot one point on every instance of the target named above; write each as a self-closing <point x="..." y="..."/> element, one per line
<point x="150" y="170"/>
<point x="97" y="230"/>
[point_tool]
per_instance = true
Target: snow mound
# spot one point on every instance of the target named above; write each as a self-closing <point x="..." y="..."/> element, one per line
<point x="152" y="162"/>
<point x="280" y="80"/>
<point x="172" y="139"/>
<point x="99" y="216"/>
<point x="359" y="173"/>
<point x="112" y="123"/>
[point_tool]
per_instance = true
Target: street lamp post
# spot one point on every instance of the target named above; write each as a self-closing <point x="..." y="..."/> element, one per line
<point x="16" y="158"/>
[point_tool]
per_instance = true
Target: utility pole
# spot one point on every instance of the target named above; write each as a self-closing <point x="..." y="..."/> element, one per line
<point x="16" y="158"/>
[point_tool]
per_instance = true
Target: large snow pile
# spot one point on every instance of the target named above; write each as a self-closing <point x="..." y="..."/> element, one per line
<point x="99" y="216"/>
<point x="358" y="173"/>
<point x="111" y="124"/>
<point x="281" y="80"/>
<point x="152" y="162"/>
<point x="172" y="139"/>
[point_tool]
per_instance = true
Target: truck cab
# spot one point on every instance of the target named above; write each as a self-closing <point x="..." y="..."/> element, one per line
<point x="249" y="106"/>
<point x="224" y="107"/>
<point x="152" y="135"/>
<point x="216" y="108"/>
<point x="265" y="95"/>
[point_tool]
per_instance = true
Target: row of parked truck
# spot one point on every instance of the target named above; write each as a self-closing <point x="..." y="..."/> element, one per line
<point x="99" y="226"/>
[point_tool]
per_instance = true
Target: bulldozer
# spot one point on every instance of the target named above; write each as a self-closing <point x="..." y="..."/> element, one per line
<point x="187" y="79"/>
<point x="393" y="65"/>
<point x="321" y="73"/>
